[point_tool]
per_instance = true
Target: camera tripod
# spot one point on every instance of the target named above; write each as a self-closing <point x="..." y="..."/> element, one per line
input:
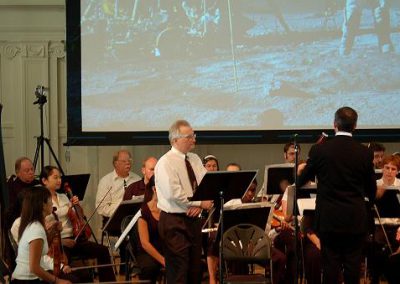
<point x="41" y="100"/>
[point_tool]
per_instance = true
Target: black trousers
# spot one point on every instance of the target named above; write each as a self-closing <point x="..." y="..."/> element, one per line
<point x="341" y="252"/>
<point x="181" y="239"/>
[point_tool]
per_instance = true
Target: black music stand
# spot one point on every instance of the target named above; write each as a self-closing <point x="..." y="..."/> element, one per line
<point x="275" y="174"/>
<point x="388" y="205"/>
<point x="78" y="184"/>
<point x="223" y="186"/>
<point x="125" y="208"/>
<point x="113" y="225"/>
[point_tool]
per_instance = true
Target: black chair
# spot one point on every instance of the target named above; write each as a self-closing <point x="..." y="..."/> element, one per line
<point x="247" y="244"/>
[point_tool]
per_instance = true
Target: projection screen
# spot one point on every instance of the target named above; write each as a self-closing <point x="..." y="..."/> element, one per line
<point x="240" y="71"/>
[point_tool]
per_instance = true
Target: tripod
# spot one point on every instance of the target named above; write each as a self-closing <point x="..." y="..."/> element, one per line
<point x="41" y="100"/>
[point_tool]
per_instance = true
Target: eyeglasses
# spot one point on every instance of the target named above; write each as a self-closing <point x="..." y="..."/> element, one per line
<point x="187" y="136"/>
<point x="129" y="161"/>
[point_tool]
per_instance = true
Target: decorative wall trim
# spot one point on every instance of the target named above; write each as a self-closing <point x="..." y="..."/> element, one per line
<point x="11" y="50"/>
<point x="35" y="50"/>
<point x="57" y="49"/>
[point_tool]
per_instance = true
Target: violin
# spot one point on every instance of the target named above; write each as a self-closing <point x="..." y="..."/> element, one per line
<point x="55" y="249"/>
<point x="80" y="228"/>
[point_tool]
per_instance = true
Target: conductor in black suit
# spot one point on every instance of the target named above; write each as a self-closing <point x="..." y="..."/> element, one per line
<point x="346" y="180"/>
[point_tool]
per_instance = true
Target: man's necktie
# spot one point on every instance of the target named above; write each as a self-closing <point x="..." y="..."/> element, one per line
<point x="192" y="176"/>
<point x="125" y="184"/>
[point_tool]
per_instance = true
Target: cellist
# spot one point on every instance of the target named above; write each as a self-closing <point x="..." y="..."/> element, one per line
<point x="50" y="177"/>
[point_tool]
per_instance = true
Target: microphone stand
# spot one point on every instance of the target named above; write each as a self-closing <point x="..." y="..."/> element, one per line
<point x="295" y="209"/>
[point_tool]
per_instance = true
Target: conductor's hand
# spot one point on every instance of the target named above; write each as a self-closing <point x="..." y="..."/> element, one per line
<point x="193" y="211"/>
<point x="206" y="204"/>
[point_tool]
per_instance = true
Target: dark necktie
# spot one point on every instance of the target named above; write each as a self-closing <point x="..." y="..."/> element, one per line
<point x="191" y="174"/>
<point x="125" y="184"/>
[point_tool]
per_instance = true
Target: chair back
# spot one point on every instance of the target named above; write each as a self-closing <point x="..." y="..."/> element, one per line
<point x="246" y="242"/>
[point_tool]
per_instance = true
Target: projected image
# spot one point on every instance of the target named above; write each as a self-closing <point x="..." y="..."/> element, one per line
<point x="239" y="64"/>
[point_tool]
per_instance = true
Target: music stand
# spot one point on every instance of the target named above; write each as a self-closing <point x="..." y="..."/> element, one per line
<point x="275" y="174"/>
<point x="78" y="184"/>
<point x="113" y="225"/>
<point x="223" y="186"/>
<point x="125" y="208"/>
<point x="389" y="204"/>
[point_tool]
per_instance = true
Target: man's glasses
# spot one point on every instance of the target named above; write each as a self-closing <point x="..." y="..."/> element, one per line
<point x="187" y="136"/>
<point x="129" y="161"/>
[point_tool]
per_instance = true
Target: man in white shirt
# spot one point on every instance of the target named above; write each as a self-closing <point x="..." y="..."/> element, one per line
<point x="112" y="186"/>
<point x="179" y="225"/>
<point x="111" y="190"/>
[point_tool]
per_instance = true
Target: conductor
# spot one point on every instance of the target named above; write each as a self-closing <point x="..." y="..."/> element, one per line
<point x="346" y="179"/>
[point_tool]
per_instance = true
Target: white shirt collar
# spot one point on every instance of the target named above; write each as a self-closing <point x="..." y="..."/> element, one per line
<point x="343" y="133"/>
<point x="176" y="151"/>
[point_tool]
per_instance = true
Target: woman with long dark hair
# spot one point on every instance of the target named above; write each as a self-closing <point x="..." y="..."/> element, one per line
<point x="32" y="238"/>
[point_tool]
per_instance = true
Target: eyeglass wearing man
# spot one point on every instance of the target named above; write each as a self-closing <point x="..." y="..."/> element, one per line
<point x="179" y="227"/>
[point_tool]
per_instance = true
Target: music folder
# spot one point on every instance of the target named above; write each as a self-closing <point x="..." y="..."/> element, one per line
<point x="232" y="184"/>
<point x="125" y="208"/>
<point x="78" y="184"/>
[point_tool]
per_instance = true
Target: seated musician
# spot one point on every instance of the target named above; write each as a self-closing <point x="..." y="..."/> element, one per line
<point x="33" y="244"/>
<point x="24" y="177"/>
<point x="381" y="246"/>
<point x="210" y="162"/>
<point x="284" y="242"/>
<point x="51" y="179"/>
<point x="393" y="271"/>
<point x="149" y="254"/>
<point x="137" y="188"/>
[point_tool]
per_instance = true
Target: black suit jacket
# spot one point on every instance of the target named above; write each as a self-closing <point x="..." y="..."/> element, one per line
<point x="345" y="176"/>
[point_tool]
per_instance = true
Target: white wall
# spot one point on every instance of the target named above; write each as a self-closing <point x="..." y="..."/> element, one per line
<point x="32" y="35"/>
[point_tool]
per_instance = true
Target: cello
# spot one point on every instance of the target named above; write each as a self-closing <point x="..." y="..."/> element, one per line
<point x="80" y="228"/>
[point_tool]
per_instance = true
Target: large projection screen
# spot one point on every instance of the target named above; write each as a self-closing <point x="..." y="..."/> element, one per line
<point x="240" y="71"/>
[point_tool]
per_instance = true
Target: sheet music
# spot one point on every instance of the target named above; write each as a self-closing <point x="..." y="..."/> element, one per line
<point x="127" y="229"/>
<point x="305" y="204"/>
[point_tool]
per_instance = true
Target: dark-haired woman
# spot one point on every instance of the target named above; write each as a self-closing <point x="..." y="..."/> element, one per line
<point x="50" y="177"/>
<point x="33" y="245"/>
<point x="149" y="256"/>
